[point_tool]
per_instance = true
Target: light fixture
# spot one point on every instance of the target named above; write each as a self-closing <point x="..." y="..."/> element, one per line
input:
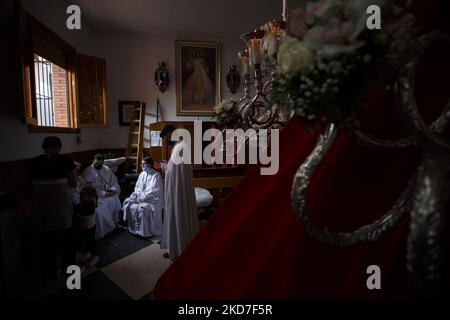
<point x="259" y="67"/>
<point x="275" y="31"/>
<point x="162" y="77"/>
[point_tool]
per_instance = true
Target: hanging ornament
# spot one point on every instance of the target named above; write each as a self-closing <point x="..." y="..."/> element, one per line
<point x="162" y="77"/>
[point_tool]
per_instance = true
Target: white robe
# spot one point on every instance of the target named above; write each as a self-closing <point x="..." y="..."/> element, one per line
<point x="180" y="212"/>
<point x="145" y="217"/>
<point x="75" y="192"/>
<point x="107" y="212"/>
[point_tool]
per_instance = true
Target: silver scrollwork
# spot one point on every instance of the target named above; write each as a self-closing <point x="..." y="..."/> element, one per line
<point x="302" y="180"/>
<point x="425" y="252"/>
<point x="426" y="197"/>
<point x="407" y="107"/>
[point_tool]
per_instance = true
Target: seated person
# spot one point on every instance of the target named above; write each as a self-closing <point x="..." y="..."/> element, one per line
<point x="75" y="191"/>
<point x="105" y="182"/>
<point x="143" y="209"/>
<point x="84" y="221"/>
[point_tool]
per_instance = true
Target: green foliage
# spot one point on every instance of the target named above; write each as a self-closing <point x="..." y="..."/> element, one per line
<point x="334" y="91"/>
<point x="227" y="118"/>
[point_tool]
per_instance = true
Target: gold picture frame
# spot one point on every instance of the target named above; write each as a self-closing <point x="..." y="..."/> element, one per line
<point x="198" y="73"/>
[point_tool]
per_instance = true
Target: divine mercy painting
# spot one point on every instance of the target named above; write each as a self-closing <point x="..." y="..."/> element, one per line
<point x="198" y="77"/>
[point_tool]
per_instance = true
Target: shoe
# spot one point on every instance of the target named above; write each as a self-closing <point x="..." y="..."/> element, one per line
<point x="83" y="258"/>
<point x="166" y="255"/>
<point x="94" y="260"/>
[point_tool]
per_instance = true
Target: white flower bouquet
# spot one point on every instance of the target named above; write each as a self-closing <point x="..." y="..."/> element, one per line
<point x="331" y="60"/>
<point x="226" y="113"/>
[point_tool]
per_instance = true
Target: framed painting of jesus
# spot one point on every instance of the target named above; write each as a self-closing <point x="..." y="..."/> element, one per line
<point x="198" y="73"/>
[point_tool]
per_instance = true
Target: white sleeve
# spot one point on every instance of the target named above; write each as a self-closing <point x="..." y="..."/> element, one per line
<point x="138" y="186"/>
<point x="154" y="190"/>
<point x="114" y="184"/>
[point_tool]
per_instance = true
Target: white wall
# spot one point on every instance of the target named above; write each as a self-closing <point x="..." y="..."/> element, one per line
<point x="131" y="61"/>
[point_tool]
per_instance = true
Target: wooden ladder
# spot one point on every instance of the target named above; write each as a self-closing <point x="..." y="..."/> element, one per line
<point x="136" y="139"/>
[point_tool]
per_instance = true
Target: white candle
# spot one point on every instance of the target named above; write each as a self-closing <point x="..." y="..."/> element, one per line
<point x="265" y="44"/>
<point x="245" y="66"/>
<point x="284" y="11"/>
<point x="254" y="43"/>
<point x="243" y="56"/>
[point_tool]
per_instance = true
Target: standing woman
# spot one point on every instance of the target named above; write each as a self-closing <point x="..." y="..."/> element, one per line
<point x="180" y="216"/>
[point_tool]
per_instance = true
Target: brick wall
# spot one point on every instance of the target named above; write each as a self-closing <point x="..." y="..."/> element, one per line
<point x="60" y="96"/>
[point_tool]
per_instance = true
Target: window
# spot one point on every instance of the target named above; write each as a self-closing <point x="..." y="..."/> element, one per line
<point x="91" y="75"/>
<point x="62" y="90"/>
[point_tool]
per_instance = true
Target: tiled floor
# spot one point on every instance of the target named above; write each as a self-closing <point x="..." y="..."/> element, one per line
<point x="129" y="267"/>
<point x="137" y="273"/>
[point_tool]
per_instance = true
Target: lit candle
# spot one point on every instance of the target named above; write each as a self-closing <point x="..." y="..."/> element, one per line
<point x="264" y="45"/>
<point x="246" y="66"/>
<point x="253" y="41"/>
<point x="243" y="55"/>
<point x="256" y="54"/>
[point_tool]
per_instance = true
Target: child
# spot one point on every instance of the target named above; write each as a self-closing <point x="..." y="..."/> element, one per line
<point x="84" y="222"/>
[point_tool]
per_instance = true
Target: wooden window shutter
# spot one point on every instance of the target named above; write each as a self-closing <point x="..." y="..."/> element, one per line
<point x="49" y="46"/>
<point x="27" y="70"/>
<point x="92" y="109"/>
<point x="36" y="38"/>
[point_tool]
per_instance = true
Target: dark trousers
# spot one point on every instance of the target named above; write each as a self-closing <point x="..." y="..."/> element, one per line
<point x="86" y="241"/>
<point x="56" y="249"/>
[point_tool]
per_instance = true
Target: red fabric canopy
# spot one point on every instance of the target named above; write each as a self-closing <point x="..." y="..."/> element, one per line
<point x="254" y="248"/>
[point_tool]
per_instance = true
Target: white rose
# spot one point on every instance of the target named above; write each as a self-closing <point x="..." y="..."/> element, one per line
<point x="355" y="15"/>
<point x="330" y="44"/>
<point x="294" y="57"/>
<point x="358" y="14"/>
<point x="339" y="34"/>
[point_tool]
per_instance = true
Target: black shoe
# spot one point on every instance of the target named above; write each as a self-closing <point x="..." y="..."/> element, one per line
<point x="121" y="225"/>
<point x="166" y="255"/>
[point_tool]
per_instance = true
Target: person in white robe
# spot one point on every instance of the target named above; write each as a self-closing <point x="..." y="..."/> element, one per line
<point x="143" y="209"/>
<point x="105" y="182"/>
<point x="181" y="222"/>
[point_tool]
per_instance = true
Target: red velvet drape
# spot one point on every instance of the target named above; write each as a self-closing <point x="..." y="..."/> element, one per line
<point x="253" y="247"/>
